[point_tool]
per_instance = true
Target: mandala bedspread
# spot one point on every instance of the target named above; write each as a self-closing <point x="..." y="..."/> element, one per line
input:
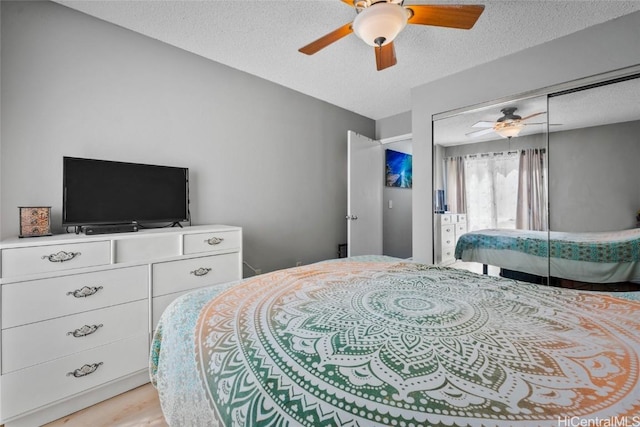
<point x="398" y="344"/>
<point x="605" y="247"/>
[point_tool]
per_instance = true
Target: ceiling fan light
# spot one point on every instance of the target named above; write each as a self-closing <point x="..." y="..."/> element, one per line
<point x="509" y="130"/>
<point x="380" y="21"/>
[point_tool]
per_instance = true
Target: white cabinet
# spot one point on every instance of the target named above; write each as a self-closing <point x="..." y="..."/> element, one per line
<point x="78" y="311"/>
<point x="448" y="228"/>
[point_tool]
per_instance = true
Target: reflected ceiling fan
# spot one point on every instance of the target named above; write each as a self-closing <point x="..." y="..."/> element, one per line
<point x="378" y="22"/>
<point x="507" y="126"/>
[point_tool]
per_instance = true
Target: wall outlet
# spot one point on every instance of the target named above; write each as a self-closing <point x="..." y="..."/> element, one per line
<point x="298" y="263"/>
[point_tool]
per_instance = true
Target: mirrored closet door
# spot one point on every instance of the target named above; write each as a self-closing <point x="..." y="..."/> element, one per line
<point x="594" y="195"/>
<point x="491" y="189"/>
<point x="544" y="188"/>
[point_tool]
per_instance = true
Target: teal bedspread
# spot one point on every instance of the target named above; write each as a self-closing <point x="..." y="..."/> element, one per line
<point x="600" y="247"/>
<point x="395" y="343"/>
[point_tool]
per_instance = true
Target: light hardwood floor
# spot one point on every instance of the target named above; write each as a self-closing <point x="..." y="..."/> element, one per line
<point x="138" y="407"/>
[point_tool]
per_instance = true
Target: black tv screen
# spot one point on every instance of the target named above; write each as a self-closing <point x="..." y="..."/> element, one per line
<point x="109" y="192"/>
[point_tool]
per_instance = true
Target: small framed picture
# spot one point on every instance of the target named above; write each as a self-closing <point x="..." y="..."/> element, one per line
<point x="399" y="169"/>
<point x="35" y="221"/>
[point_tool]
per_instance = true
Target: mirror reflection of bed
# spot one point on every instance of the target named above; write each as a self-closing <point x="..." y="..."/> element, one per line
<point x="554" y="201"/>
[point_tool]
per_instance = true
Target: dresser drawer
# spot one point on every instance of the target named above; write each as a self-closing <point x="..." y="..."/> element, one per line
<point x="461" y="228"/>
<point x="448" y="235"/>
<point x="213" y="241"/>
<point x="23" y="346"/>
<point x="37" y="300"/>
<point x="42" y="384"/>
<point x="176" y="276"/>
<point x="148" y="248"/>
<point x="448" y="254"/>
<point x="50" y="258"/>
<point x="462" y="218"/>
<point x="446" y="218"/>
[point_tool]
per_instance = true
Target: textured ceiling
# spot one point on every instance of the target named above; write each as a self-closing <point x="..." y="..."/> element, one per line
<point x="263" y="37"/>
<point x="596" y="106"/>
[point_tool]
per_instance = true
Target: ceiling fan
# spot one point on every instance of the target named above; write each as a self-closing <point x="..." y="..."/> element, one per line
<point x="507" y="126"/>
<point x="378" y="22"/>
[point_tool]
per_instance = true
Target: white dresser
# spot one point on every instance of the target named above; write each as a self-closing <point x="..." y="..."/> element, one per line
<point x="447" y="229"/>
<point x="78" y="311"/>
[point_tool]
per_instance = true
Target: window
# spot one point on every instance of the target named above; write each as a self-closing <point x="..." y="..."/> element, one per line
<point x="491" y="190"/>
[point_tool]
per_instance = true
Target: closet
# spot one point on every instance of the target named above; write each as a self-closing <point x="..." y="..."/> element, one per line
<point x="560" y="160"/>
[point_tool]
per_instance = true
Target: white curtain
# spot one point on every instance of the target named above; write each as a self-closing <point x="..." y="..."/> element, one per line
<point x="455" y="184"/>
<point x="532" y="190"/>
<point x="491" y="183"/>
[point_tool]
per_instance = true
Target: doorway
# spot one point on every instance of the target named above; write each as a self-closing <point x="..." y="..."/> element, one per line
<point x="379" y="217"/>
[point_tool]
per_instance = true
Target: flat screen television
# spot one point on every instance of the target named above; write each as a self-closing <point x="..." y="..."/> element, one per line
<point x="99" y="192"/>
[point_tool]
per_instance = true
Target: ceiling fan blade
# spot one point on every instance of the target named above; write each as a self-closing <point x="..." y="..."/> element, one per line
<point x="326" y="40"/>
<point x="452" y="16"/>
<point x="532" y="115"/>
<point x="543" y="124"/>
<point x="479" y="133"/>
<point x="385" y="56"/>
<point x="483" y="125"/>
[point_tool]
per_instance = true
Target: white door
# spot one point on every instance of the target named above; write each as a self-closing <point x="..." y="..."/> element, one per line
<point x="364" y="192"/>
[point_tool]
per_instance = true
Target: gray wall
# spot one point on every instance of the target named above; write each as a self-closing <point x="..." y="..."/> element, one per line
<point x="592" y="182"/>
<point x="261" y="156"/>
<point x="392" y="126"/>
<point x="396" y="221"/>
<point x="578" y="55"/>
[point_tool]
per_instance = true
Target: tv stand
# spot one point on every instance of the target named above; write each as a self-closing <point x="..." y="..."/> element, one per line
<point x="91" y="302"/>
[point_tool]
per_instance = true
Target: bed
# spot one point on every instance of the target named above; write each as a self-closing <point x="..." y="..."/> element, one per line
<point x="593" y="257"/>
<point x="386" y="342"/>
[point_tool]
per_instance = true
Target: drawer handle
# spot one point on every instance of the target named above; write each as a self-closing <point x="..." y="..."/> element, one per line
<point x="85" y="370"/>
<point x="85" y="330"/>
<point x="61" y="256"/>
<point x="214" y="241"/>
<point x="86" y="291"/>
<point x="201" y="271"/>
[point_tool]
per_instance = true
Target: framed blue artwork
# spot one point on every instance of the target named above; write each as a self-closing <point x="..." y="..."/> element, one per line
<point x="398" y="171"/>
